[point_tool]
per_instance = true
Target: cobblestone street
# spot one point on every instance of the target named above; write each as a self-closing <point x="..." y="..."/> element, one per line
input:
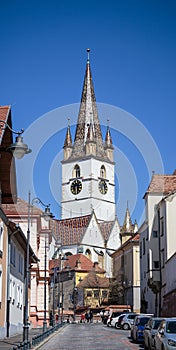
<point x="90" y="336"/>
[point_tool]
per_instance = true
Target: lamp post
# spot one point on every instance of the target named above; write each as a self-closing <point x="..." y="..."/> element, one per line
<point x="18" y="149"/>
<point x="47" y="215"/>
<point x="126" y="285"/>
<point x="61" y="290"/>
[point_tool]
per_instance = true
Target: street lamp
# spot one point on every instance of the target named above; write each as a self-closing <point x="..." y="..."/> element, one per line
<point x="18" y="149"/>
<point x="126" y="285"/>
<point x="61" y="290"/>
<point x="47" y="216"/>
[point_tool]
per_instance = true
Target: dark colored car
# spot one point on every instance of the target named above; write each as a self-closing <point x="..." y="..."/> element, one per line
<point x="137" y="329"/>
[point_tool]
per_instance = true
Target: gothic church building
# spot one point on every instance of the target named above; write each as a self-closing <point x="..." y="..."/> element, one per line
<point x="89" y="224"/>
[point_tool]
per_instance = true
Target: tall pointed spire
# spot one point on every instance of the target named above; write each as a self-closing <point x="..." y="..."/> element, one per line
<point x="68" y="142"/>
<point x="68" y="138"/>
<point x="108" y="143"/>
<point x="127" y="225"/>
<point x="88" y="114"/>
<point x="128" y="229"/>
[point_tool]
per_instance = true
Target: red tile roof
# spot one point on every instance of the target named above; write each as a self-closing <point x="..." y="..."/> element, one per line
<point x="20" y="209"/>
<point x="77" y="262"/>
<point x="92" y="280"/>
<point x="4" y="112"/>
<point x="162" y="184"/>
<point x="85" y="263"/>
<point x="71" y="231"/>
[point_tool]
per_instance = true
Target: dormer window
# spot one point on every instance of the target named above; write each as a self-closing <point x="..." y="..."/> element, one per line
<point x="76" y="171"/>
<point x="103" y="172"/>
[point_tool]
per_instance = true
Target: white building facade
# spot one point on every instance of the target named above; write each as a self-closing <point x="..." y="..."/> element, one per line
<point x="158" y="247"/>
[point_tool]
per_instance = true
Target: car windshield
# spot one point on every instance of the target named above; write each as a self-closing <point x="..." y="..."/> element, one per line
<point x="132" y="316"/>
<point x="171" y="327"/>
<point x="156" y="324"/>
<point x="143" y="321"/>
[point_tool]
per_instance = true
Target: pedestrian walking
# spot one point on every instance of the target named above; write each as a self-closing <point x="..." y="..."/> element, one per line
<point x="82" y="318"/>
<point x="87" y="317"/>
<point x="91" y="316"/>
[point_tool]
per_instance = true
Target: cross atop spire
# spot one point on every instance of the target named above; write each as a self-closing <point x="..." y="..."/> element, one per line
<point x="88" y="55"/>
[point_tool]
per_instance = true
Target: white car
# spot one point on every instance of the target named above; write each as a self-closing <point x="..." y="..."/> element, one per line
<point x="115" y="322"/>
<point x="113" y="315"/>
<point x="128" y="320"/>
<point x="165" y="338"/>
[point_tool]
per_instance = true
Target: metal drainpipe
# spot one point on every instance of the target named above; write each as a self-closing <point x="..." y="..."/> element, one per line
<point x="8" y="289"/>
<point x="159" y="251"/>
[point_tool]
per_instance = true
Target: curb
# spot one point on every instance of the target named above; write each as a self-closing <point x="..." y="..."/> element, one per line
<point x="48" y="338"/>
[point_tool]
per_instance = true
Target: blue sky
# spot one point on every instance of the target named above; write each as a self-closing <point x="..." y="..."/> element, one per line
<point x="133" y="55"/>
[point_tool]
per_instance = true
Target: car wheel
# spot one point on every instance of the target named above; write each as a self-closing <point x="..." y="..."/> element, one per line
<point x="126" y="326"/>
<point x="136" y="340"/>
<point x="116" y="325"/>
<point x="145" y="347"/>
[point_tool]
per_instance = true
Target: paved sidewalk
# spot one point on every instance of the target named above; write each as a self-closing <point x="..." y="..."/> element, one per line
<point x="7" y="343"/>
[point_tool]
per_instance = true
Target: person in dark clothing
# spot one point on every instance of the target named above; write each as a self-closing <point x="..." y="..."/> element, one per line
<point x="91" y="316"/>
<point x="87" y="317"/>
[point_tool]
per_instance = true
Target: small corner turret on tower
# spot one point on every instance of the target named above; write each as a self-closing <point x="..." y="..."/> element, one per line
<point x="68" y="146"/>
<point x="108" y="144"/>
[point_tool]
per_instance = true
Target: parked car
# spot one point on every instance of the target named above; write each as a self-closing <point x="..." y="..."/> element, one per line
<point x="137" y="328"/>
<point x="114" y="314"/>
<point x="128" y="320"/>
<point x="165" y="338"/>
<point x="116" y="321"/>
<point x="150" y="330"/>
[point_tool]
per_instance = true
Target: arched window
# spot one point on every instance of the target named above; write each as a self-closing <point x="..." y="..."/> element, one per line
<point x="101" y="259"/>
<point x="68" y="254"/>
<point x="103" y="172"/>
<point x="76" y="171"/>
<point x="88" y="254"/>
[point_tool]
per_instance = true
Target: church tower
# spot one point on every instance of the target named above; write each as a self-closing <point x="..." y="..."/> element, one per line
<point x="88" y="166"/>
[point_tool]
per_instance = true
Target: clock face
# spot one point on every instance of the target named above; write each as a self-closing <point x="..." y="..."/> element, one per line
<point x="76" y="187"/>
<point x="103" y="187"/>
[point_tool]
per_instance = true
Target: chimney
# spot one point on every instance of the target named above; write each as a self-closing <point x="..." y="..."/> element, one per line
<point x="78" y="264"/>
<point x="96" y="265"/>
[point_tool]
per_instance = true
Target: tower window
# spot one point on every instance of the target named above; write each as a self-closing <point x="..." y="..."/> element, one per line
<point x="103" y="172"/>
<point x="76" y="171"/>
